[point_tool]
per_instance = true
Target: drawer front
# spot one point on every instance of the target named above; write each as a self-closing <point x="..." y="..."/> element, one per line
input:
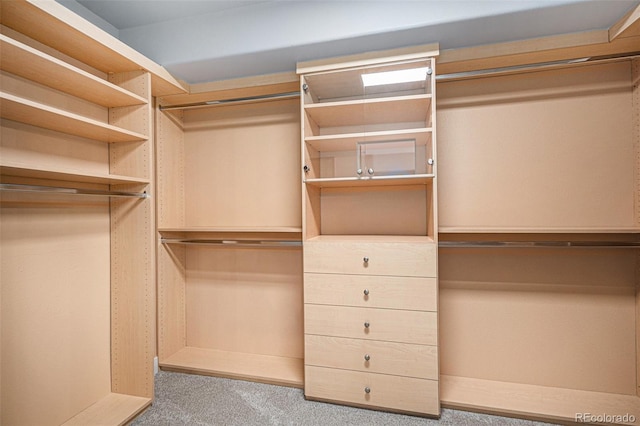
<point x="371" y="323"/>
<point x="399" y="359"/>
<point x="379" y="258"/>
<point x="391" y="392"/>
<point x="412" y="293"/>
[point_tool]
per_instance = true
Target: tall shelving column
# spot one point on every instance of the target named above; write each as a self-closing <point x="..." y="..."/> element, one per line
<point x="369" y="231"/>
<point x="78" y="289"/>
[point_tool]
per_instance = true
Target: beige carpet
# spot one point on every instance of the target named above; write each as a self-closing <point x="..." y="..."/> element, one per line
<point x="185" y="399"/>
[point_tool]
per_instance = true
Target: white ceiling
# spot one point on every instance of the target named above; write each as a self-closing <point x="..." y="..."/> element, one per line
<point x="208" y="40"/>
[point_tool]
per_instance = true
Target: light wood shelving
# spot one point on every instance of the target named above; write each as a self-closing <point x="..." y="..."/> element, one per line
<point x="41" y="115"/>
<point x="32" y="64"/>
<point x="369" y="208"/>
<point x="78" y="276"/>
<point x="230" y="277"/>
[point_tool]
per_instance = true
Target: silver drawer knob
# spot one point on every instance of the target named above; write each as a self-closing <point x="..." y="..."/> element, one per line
<point x="365" y="259"/>
<point x="370" y="170"/>
<point x="366" y="291"/>
<point x="366" y="324"/>
<point x="359" y="172"/>
<point x="367" y="357"/>
<point x="367" y="390"/>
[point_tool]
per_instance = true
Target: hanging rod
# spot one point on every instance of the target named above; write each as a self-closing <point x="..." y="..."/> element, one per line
<point x="539" y="244"/>
<point x="71" y="191"/>
<point x="532" y="67"/>
<point x="234" y="243"/>
<point x="248" y="99"/>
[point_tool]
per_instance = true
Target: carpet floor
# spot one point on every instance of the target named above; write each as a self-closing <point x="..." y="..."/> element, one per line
<point x="187" y="399"/>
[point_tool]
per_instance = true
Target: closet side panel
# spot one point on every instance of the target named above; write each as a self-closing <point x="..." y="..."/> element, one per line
<point x="243" y="165"/>
<point x="636" y="127"/>
<point x="55" y="307"/>
<point x="539" y="150"/>
<point x="133" y="255"/>
<point x="170" y="209"/>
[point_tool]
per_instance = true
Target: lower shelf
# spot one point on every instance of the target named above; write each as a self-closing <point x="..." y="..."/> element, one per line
<point x="257" y="368"/>
<point x="538" y="402"/>
<point x="113" y="409"/>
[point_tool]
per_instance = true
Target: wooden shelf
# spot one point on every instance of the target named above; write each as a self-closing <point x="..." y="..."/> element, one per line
<point x="114" y="409"/>
<point x="347" y="182"/>
<point x="235" y="229"/>
<point x="540" y="230"/>
<point x="257" y="368"/>
<point x="29" y="63"/>
<point x="56" y="26"/>
<point x="40" y="115"/>
<point x="69" y="175"/>
<point x="346" y="142"/>
<point x="400" y="109"/>
<point x="371" y="238"/>
<point x="530" y="401"/>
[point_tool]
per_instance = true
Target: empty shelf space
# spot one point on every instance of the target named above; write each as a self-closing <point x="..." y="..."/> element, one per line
<point x="532" y="401"/>
<point x="345" y="182"/>
<point x="29" y="63"/>
<point x="114" y="409"/>
<point x="69" y="175"/>
<point x="40" y="115"/>
<point x="400" y="109"/>
<point x="253" y="367"/>
<point x="345" y="142"/>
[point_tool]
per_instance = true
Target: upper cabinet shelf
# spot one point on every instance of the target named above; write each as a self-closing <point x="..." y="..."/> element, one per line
<point x="36" y="114"/>
<point x="27" y="62"/>
<point x="367" y="112"/>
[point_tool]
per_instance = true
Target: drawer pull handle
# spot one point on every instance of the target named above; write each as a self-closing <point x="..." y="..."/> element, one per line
<point x="367" y="357"/>
<point x="366" y="324"/>
<point x="366" y="291"/>
<point x="365" y="260"/>
<point x="367" y="390"/>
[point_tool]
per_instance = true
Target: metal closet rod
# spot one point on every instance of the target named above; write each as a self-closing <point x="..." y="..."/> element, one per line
<point x="539" y="244"/>
<point x="69" y="191"/>
<point x="248" y="99"/>
<point x="234" y="243"/>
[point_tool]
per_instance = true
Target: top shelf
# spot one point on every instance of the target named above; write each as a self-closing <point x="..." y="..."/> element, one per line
<point x="56" y="26"/>
<point x="27" y="62"/>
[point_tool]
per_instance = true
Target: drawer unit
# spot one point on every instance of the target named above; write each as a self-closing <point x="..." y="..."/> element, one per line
<point x="396" y="393"/>
<point x="400" y="359"/>
<point x="389" y="325"/>
<point x="411" y="293"/>
<point x="380" y="258"/>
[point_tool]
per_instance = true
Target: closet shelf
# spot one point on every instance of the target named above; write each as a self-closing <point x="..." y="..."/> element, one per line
<point x="346" y="182"/>
<point x="346" y="142"/>
<point x="40" y="115"/>
<point x="537" y="230"/>
<point x="371" y="239"/>
<point x="234" y="229"/>
<point x="114" y="409"/>
<point x="69" y="191"/>
<point x="254" y="367"/>
<point x="398" y="109"/>
<point x="27" y="62"/>
<point x="68" y="175"/>
<point x="531" y="401"/>
<point x="234" y="243"/>
<point x="539" y="244"/>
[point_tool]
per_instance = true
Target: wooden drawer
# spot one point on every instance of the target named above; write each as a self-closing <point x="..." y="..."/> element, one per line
<point x="399" y="359"/>
<point x="371" y="258"/>
<point x="419" y="396"/>
<point x="383" y="324"/>
<point x="411" y="293"/>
